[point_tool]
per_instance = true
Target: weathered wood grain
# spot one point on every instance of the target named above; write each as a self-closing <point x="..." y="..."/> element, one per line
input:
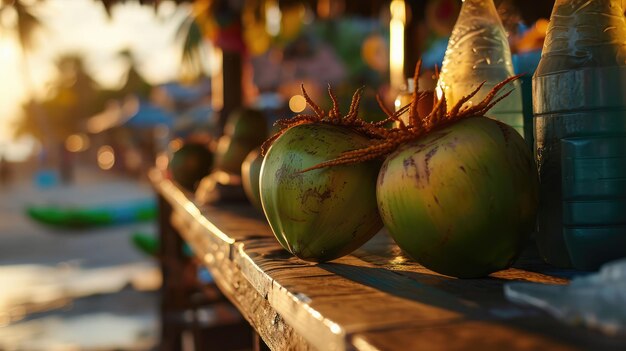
<point x="465" y="335"/>
<point x="375" y="299"/>
<point x="326" y="307"/>
<point x="269" y="324"/>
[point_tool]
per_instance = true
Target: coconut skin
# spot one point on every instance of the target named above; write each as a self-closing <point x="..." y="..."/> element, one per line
<point x="461" y="200"/>
<point x="323" y="214"/>
<point x="190" y="164"/>
<point x="250" y="171"/>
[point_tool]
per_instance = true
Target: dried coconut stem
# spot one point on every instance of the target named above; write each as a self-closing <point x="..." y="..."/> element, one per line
<point x="385" y="141"/>
<point x="332" y="117"/>
<point x="420" y="126"/>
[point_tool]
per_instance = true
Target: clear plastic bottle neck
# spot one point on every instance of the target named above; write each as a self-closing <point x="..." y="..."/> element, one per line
<point x="584" y="34"/>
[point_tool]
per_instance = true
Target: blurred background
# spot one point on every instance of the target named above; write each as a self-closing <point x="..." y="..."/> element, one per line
<point x="95" y="93"/>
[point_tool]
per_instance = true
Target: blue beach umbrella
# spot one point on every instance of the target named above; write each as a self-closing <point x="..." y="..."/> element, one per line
<point x="148" y="115"/>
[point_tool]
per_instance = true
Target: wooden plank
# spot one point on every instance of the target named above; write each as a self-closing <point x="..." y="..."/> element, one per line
<point x="514" y="334"/>
<point x="173" y="301"/>
<point x="213" y="247"/>
<point x="269" y="274"/>
<point x="187" y="209"/>
<point x="240" y="222"/>
<point x="269" y="324"/>
<point x="466" y="335"/>
<point x="383" y="252"/>
<point x="324" y="306"/>
<point x="376" y="298"/>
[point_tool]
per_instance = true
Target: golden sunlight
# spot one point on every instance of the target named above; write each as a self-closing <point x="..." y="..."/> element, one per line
<point x="8" y="50"/>
<point x="11" y="93"/>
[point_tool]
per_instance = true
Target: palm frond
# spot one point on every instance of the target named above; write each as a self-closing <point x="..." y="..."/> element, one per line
<point x="190" y="34"/>
<point x="27" y="24"/>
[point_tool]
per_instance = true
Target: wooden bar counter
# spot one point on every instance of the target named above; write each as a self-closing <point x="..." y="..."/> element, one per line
<point x="374" y="299"/>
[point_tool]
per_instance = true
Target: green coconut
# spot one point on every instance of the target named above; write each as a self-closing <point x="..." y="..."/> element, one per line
<point x="462" y="199"/>
<point x="247" y="124"/>
<point x="190" y="164"/>
<point x="457" y="191"/>
<point x="231" y="152"/>
<point x="323" y="214"/>
<point x="250" y="172"/>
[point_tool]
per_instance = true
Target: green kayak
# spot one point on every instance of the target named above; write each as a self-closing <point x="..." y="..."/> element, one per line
<point x="103" y="215"/>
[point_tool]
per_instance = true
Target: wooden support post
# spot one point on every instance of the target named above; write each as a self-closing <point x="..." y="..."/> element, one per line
<point x="173" y="294"/>
<point x="232" y="84"/>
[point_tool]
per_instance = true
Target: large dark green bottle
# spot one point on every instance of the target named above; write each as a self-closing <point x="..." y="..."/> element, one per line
<point x="579" y="91"/>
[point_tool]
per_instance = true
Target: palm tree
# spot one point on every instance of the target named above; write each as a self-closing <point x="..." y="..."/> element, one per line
<point x="74" y="96"/>
<point x="135" y="82"/>
<point x="190" y="33"/>
<point x="26" y="22"/>
<point x="24" y="27"/>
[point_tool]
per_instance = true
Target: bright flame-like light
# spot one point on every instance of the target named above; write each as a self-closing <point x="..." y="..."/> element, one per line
<point x="106" y="157"/>
<point x="297" y="103"/>
<point x="273" y="17"/>
<point x="398" y="10"/>
<point x="396" y="43"/>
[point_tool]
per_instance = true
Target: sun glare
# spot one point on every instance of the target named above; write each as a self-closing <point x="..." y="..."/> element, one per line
<point x="8" y="50"/>
<point x="10" y="92"/>
<point x="83" y="26"/>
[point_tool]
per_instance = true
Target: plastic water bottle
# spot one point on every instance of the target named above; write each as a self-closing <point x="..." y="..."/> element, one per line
<point x="579" y="102"/>
<point x="478" y="51"/>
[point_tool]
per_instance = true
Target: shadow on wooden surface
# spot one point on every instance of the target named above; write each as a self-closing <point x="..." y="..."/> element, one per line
<point x="401" y="286"/>
<point x="481" y="302"/>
